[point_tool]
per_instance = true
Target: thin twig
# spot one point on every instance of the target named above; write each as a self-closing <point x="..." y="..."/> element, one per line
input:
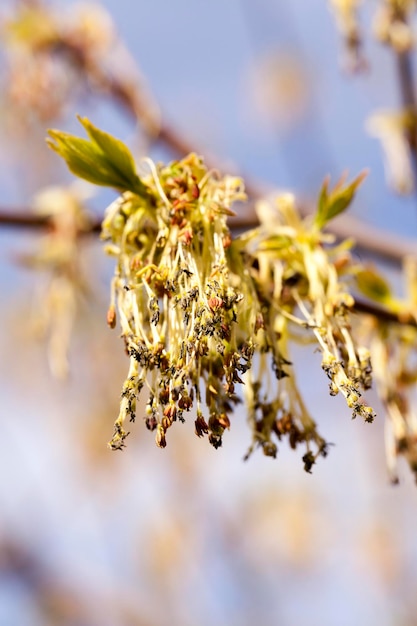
<point x="30" y="221"/>
<point x="22" y="219"/>
<point x="368" y="239"/>
<point x="409" y="102"/>
<point x="382" y="314"/>
<point x="407" y="88"/>
<point x="25" y="219"/>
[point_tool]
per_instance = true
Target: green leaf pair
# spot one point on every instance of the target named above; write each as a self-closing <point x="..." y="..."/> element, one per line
<point x="332" y="203"/>
<point x="102" y="159"/>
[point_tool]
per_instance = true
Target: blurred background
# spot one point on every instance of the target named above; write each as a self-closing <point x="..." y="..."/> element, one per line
<point x="190" y="535"/>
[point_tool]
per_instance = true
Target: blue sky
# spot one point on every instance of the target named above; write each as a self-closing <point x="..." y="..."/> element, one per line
<point x="251" y="542"/>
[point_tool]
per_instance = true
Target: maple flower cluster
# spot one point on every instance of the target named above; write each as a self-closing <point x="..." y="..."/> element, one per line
<point x="201" y="312"/>
<point x="208" y="319"/>
<point x="298" y="278"/>
<point x="179" y="300"/>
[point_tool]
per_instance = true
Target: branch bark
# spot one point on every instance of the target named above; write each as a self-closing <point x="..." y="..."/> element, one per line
<point x="380" y="242"/>
<point x="368" y="239"/>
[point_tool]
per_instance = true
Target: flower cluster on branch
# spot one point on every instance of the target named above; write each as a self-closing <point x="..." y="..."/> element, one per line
<point x="208" y="320"/>
<point x="202" y="313"/>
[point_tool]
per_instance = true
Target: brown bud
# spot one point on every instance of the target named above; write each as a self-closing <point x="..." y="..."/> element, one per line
<point x="111" y="316"/>
<point x="185" y="402"/>
<point x="225" y="332"/>
<point x="227" y="241"/>
<point x="259" y="323"/>
<point x="308" y="460"/>
<point x="136" y="263"/>
<point x="229" y="388"/>
<point x="151" y="422"/>
<point x="170" y="412"/>
<point x="342" y="262"/>
<point x="285" y="424"/>
<point x="223" y="420"/>
<point x="166" y="423"/>
<point x="295" y="437"/>
<point x="201" y="427"/>
<point x="160" y="436"/>
<point x="164" y="395"/>
<point x="215" y="440"/>
<point x="215" y="303"/>
<point x="186" y="237"/>
<point x="270" y="449"/>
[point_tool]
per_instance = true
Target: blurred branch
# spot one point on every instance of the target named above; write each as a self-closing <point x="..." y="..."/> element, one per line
<point x="22" y="218"/>
<point x="405" y="75"/>
<point x="383" y="315"/>
<point x="408" y="96"/>
<point x="25" y="219"/>
<point x="369" y="239"/>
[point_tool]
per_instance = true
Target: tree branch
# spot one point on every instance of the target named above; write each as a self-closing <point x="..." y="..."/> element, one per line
<point x="368" y="238"/>
<point x="379" y="240"/>
<point x="409" y="102"/>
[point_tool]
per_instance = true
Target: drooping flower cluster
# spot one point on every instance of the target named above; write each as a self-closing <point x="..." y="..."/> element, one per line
<point x="182" y="305"/>
<point x="59" y="257"/>
<point x="394" y="354"/>
<point x="201" y="312"/>
<point x="395" y="357"/>
<point x="298" y="282"/>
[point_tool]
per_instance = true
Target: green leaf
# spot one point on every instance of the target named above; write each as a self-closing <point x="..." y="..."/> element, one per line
<point x="323" y="199"/>
<point x="373" y="286"/>
<point x="102" y="159"/>
<point x="115" y="150"/>
<point x="333" y="203"/>
<point x="276" y="242"/>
